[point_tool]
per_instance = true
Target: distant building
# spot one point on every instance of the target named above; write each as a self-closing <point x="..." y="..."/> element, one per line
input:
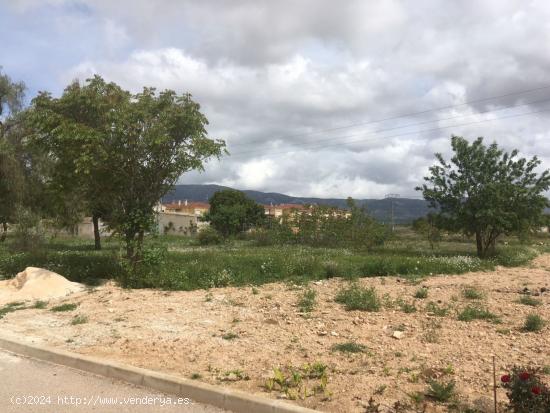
<point x="177" y="223"/>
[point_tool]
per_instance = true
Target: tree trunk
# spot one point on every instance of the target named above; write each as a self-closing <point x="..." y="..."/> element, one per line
<point x="479" y="245"/>
<point x="4" y="232"/>
<point x="97" y="236"/>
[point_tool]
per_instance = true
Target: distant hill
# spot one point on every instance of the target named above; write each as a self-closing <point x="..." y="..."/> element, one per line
<point x="405" y="209"/>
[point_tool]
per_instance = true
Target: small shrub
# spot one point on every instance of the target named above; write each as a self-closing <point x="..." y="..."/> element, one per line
<point x="421" y="293"/>
<point x="526" y="391"/>
<point x="472" y="293"/>
<point x="356" y="297"/>
<point x="40" y="304"/>
<point x="349" y="347"/>
<point x="331" y="269"/>
<point x="8" y="308"/>
<point x="533" y="323"/>
<point x="195" y="376"/>
<point x="528" y="300"/>
<point x="230" y="336"/>
<point x="439" y="391"/>
<point x="306" y="303"/>
<point x="472" y="312"/>
<point x="436" y="310"/>
<point x="407" y="308"/>
<point x="64" y="307"/>
<point x="79" y="319"/>
<point x="209" y="236"/>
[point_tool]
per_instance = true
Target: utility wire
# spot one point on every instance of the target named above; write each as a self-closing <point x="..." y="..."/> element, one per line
<point x="375" y="132"/>
<point x="393" y="117"/>
<point x="407" y="133"/>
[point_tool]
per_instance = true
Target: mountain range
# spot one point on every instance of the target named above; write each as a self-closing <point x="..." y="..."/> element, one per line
<point x="405" y="210"/>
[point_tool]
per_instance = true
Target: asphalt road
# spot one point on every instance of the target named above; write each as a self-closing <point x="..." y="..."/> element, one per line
<point x="28" y="385"/>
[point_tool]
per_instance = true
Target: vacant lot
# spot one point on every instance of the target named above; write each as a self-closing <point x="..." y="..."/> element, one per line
<point x="237" y="336"/>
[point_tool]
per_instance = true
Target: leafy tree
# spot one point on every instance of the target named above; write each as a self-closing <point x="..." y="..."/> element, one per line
<point x="11" y="176"/>
<point x="127" y="150"/>
<point x="232" y="212"/>
<point x="486" y="192"/>
<point x="74" y="130"/>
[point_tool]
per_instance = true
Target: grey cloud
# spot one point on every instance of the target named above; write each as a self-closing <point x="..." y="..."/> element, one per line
<point x="269" y="73"/>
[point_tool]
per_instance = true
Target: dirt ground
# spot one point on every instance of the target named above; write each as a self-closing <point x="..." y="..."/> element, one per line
<point x="211" y="334"/>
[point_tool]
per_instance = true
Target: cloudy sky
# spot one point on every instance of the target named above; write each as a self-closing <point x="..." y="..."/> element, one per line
<point x="314" y="98"/>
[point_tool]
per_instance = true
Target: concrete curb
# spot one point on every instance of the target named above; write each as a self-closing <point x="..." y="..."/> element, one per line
<point x="233" y="400"/>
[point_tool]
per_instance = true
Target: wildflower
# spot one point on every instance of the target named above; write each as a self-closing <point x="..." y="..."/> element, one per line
<point x="536" y="390"/>
<point x="524" y="376"/>
<point x="506" y="378"/>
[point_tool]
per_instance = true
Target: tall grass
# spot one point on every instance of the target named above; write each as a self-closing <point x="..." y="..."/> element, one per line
<point x="175" y="263"/>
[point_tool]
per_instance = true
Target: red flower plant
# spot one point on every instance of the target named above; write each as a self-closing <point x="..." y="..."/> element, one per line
<point x="524" y="376"/>
<point x="536" y="390"/>
<point x="506" y="378"/>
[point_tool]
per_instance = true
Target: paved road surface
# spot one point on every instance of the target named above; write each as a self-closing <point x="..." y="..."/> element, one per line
<point x="61" y="389"/>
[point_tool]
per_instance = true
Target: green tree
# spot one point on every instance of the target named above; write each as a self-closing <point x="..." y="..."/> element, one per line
<point x="127" y="150"/>
<point x="486" y="192"/>
<point x="232" y="212"/>
<point x="73" y="130"/>
<point x="11" y="175"/>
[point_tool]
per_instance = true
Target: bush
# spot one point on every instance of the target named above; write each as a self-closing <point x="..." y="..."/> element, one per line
<point x="528" y="300"/>
<point x="472" y="293"/>
<point x="306" y="303"/>
<point x="441" y="392"/>
<point x="209" y="236"/>
<point x="533" y="323"/>
<point x="472" y="312"/>
<point x="29" y="235"/>
<point x="349" y="347"/>
<point x="421" y="293"/>
<point x="525" y="390"/>
<point x="356" y="297"/>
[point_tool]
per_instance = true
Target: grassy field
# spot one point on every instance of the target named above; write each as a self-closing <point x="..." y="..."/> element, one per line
<point x="178" y="263"/>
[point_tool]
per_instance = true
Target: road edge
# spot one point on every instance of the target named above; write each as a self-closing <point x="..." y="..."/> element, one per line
<point x="228" y="399"/>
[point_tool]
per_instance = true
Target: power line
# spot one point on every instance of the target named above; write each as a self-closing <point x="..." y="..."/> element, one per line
<point x="393" y="117"/>
<point x="408" y="133"/>
<point x="251" y="152"/>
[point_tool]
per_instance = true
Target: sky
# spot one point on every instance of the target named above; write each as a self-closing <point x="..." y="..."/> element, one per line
<point x="313" y="97"/>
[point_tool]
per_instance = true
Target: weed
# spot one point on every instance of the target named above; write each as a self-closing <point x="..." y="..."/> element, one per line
<point x="291" y="380"/>
<point x="349" y="347"/>
<point x="306" y="303"/>
<point x="416" y="397"/>
<point x="8" y="308"/>
<point x="472" y="312"/>
<point x="331" y="269"/>
<point x="431" y="333"/>
<point x="208" y="297"/>
<point x="230" y="336"/>
<point x="195" y="376"/>
<point x="356" y="297"/>
<point x="533" y="323"/>
<point x="255" y="291"/>
<point x="64" y="307"/>
<point x="79" y="319"/>
<point x="435" y="309"/>
<point x="421" y="293"/>
<point x="439" y="391"/>
<point x="472" y="293"/>
<point x="407" y="308"/>
<point x="528" y="300"/>
<point x="40" y="305"/>
<point x="380" y="389"/>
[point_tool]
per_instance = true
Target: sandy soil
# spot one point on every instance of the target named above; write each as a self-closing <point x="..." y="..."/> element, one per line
<point x="182" y="333"/>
